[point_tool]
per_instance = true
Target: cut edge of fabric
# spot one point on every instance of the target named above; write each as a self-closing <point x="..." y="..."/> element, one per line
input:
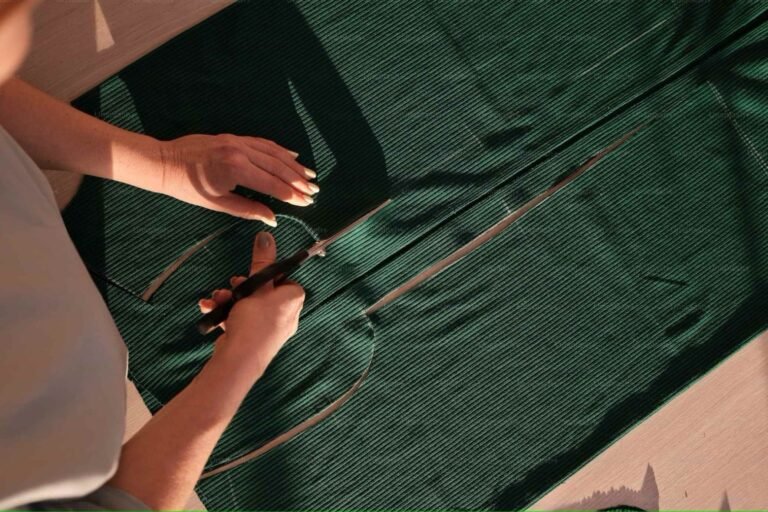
<point x="303" y="425"/>
<point x="158" y="281"/>
<point x="500" y="226"/>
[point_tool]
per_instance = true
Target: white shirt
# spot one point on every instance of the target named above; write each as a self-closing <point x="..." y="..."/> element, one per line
<point x="62" y="361"/>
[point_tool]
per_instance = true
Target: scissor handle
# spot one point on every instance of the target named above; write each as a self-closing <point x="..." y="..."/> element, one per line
<point x="276" y="272"/>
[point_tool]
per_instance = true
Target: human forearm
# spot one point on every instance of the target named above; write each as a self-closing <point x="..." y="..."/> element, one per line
<point x="161" y="464"/>
<point x="58" y="136"/>
<point x="199" y="169"/>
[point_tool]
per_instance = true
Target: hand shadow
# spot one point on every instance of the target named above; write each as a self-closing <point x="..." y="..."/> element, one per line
<point x="243" y="72"/>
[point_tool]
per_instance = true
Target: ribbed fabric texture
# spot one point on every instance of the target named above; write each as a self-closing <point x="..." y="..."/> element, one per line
<point x="498" y="377"/>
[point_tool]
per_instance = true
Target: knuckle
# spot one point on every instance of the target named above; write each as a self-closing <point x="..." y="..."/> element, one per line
<point x="267" y="142"/>
<point x="295" y="294"/>
<point x="274" y="163"/>
<point x="229" y="150"/>
<point x="220" y="182"/>
<point x="266" y="146"/>
<point x="227" y="138"/>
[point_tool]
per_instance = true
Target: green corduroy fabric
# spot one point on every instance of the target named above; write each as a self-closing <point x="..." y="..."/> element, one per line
<point x="501" y="375"/>
<point x="506" y="372"/>
<point x="387" y="101"/>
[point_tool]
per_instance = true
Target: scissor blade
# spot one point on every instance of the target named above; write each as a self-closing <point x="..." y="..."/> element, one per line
<point x="319" y="247"/>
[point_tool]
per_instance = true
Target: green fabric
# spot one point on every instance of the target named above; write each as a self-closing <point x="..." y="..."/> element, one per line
<point x="498" y="377"/>
<point x="372" y="93"/>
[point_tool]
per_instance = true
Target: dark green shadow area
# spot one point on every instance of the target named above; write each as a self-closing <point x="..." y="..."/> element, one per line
<point x="251" y="70"/>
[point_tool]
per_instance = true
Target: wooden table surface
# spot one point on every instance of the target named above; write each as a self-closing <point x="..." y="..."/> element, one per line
<point x="705" y="449"/>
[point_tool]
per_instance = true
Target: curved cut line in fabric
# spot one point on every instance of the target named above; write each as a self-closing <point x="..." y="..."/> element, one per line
<point x="304" y="425"/>
<point x="500" y="226"/>
<point x="611" y="113"/>
<point x="158" y="281"/>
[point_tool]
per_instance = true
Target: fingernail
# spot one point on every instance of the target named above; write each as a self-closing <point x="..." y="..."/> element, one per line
<point x="314" y="188"/>
<point x="263" y="240"/>
<point x="310" y="173"/>
<point x="270" y="222"/>
<point x="293" y="154"/>
<point x="309" y="200"/>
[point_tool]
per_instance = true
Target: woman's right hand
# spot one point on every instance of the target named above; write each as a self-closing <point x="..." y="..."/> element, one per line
<point x="260" y="324"/>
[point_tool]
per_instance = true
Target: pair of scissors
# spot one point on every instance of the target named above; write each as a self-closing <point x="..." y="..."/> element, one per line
<point x="276" y="272"/>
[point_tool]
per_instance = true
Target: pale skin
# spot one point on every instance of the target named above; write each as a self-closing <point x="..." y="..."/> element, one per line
<point x="161" y="464"/>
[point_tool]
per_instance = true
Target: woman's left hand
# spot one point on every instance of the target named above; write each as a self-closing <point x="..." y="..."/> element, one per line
<point x="204" y="170"/>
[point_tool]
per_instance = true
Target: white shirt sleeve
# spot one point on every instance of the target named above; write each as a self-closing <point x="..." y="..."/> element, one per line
<point x="62" y="361"/>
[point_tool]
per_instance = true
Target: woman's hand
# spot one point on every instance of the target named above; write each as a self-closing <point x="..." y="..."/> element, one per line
<point x="260" y="324"/>
<point x="204" y="170"/>
<point x="198" y="169"/>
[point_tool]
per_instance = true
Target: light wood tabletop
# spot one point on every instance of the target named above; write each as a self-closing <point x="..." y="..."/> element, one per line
<point x="79" y="43"/>
<point x="705" y="449"/>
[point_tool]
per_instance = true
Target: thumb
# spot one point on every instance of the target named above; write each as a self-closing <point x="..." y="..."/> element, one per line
<point x="264" y="251"/>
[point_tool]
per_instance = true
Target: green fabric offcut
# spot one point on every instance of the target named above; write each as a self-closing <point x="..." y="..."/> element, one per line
<point x="501" y="375"/>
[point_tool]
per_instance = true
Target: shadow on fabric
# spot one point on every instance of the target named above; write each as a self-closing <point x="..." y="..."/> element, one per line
<point x="258" y="69"/>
